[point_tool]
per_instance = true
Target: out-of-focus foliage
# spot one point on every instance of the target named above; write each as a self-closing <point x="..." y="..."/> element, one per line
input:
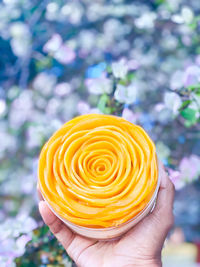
<point x="138" y="59"/>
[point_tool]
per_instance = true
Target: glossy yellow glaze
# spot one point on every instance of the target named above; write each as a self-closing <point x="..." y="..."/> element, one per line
<point x="98" y="170"/>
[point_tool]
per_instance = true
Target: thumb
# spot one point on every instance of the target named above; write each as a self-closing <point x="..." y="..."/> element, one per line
<point x="73" y="243"/>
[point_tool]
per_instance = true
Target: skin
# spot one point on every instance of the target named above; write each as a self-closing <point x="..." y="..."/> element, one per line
<point x="140" y="246"/>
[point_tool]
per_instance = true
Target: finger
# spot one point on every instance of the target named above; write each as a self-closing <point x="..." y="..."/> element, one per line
<point x="158" y="223"/>
<point x="39" y="193"/>
<point x="163" y="212"/>
<point x="74" y="244"/>
<point x="165" y="196"/>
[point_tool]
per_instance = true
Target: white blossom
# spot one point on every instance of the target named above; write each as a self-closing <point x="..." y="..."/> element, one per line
<point x="162" y="150"/>
<point x="2" y="107"/>
<point x="120" y="69"/>
<point x="176" y="81"/>
<point x="126" y="94"/>
<point x="44" y="83"/>
<point x="99" y="86"/>
<point x="21" y="39"/>
<point x="187" y="14"/>
<point x="146" y="21"/>
<point x="172" y="101"/>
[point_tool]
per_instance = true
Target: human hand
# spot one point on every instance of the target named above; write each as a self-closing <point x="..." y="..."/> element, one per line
<point x="140" y="246"/>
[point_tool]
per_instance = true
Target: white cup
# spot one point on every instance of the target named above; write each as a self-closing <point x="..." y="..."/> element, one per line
<point x="110" y="233"/>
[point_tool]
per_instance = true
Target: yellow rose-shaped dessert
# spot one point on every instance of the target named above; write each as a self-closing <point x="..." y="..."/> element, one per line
<point x="98" y="171"/>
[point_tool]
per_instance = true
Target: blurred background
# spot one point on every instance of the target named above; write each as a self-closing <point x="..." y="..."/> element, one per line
<point x="58" y="59"/>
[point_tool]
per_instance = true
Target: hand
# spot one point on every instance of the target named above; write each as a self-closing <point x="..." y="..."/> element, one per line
<point x="140" y="246"/>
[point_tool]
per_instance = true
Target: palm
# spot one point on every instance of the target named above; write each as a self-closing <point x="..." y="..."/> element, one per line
<point x="141" y="246"/>
<point x="121" y="252"/>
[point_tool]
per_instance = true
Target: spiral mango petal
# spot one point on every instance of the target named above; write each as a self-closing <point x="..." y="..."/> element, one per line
<point x="98" y="170"/>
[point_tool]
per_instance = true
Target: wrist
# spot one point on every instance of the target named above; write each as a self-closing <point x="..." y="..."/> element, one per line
<point x="150" y="263"/>
<point x="145" y="265"/>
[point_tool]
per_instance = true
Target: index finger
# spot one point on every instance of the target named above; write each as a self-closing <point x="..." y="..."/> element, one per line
<point x="163" y="211"/>
<point x="39" y="193"/>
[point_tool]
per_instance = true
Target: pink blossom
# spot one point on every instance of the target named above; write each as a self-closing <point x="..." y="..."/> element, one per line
<point x="159" y="107"/>
<point x="84" y="108"/>
<point x="197" y="60"/>
<point x="63" y="89"/>
<point x="129" y="115"/>
<point x="65" y="54"/>
<point x="53" y="44"/>
<point x="175" y="177"/>
<point x="59" y="50"/>
<point x="191" y="75"/>
<point x="190" y="167"/>
<point x="133" y="64"/>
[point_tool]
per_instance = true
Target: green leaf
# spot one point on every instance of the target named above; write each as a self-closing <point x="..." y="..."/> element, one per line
<point x="35" y="239"/>
<point x="185" y="104"/>
<point x="45" y="240"/>
<point x="43" y="230"/>
<point x="193" y="25"/>
<point x="194" y="87"/>
<point x="103" y="105"/>
<point x="103" y="102"/>
<point x="109" y="69"/>
<point x="122" y="82"/>
<point x="130" y="76"/>
<point x="109" y="110"/>
<point x="189" y="114"/>
<point x="160" y="2"/>
<point x="45" y="62"/>
<point x="188" y="124"/>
